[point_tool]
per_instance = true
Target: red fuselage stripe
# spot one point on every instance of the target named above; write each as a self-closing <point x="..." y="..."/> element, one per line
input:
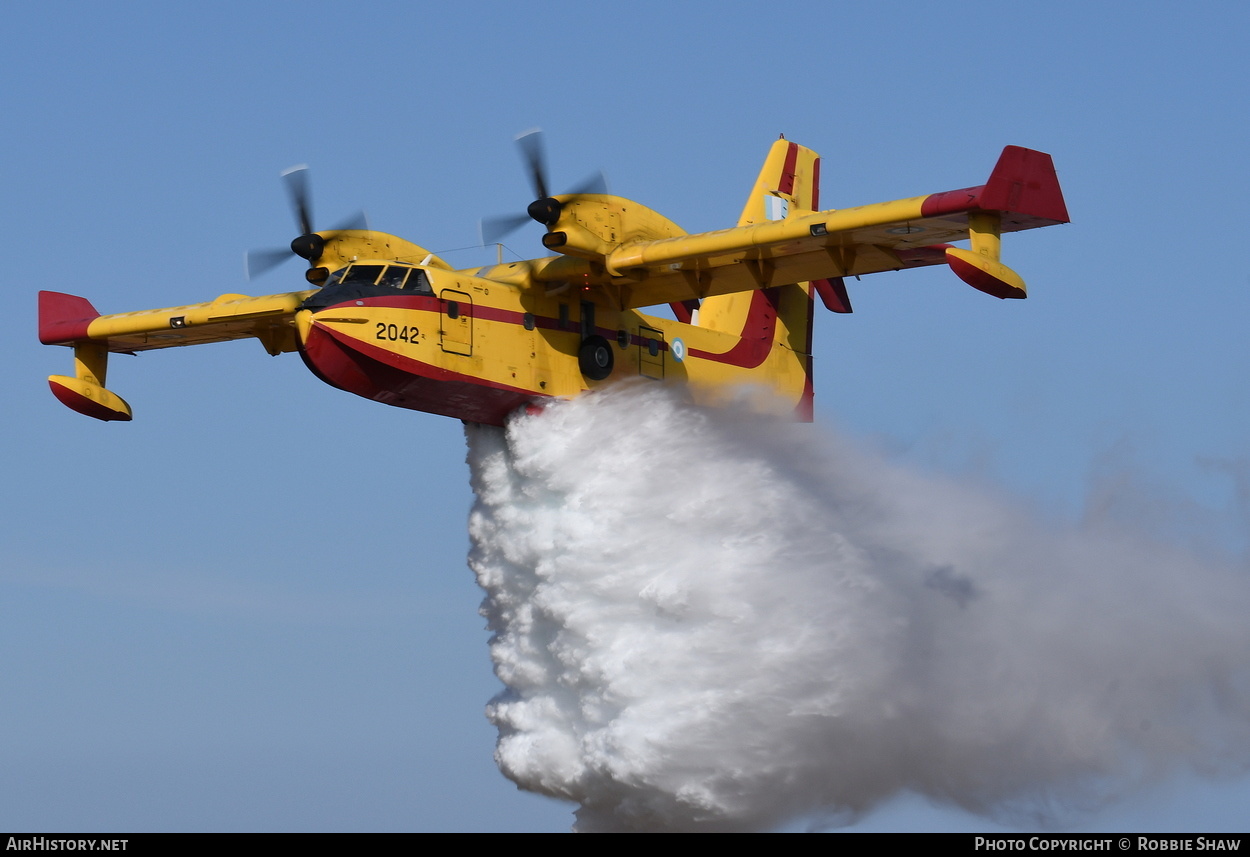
<point x="752" y="348"/>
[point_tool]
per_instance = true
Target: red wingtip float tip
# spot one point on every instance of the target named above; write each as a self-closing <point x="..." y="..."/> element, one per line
<point x="984" y="275"/>
<point x="63" y="388"/>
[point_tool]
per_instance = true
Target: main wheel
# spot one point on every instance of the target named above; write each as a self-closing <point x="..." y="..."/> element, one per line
<point x="595" y="358"/>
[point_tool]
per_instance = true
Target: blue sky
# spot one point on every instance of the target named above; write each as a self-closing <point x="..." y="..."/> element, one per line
<point x="249" y="609"/>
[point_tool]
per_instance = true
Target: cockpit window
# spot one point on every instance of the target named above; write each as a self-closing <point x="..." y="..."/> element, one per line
<point x="362" y="275"/>
<point x="400" y="277"/>
<point x="419" y="282"/>
<point x="394" y="277"/>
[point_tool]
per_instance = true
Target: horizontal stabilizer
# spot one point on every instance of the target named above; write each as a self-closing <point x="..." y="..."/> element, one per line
<point x="833" y="294"/>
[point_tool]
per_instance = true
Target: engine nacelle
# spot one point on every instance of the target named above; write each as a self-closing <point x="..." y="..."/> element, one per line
<point x="590" y="226"/>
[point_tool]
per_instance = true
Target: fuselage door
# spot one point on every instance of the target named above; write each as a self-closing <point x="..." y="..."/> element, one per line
<point x="455" y="329"/>
<point x="651" y="353"/>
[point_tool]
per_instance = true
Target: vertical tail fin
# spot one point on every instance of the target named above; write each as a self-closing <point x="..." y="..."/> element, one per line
<point x="789" y="181"/>
<point x="788" y="185"/>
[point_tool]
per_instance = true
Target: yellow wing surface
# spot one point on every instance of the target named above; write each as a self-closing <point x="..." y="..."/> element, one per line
<point x="71" y="320"/>
<point x="66" y="319"/>
<point x="782" y="243"/>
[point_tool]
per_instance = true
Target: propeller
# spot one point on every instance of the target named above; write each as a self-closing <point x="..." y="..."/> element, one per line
<point x="308" y="244"/>
<point x="545" y="209"/>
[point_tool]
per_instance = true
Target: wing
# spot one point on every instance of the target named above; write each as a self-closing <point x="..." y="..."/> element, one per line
<point x="1022" y="193"/>
<point x="73" y="321"/>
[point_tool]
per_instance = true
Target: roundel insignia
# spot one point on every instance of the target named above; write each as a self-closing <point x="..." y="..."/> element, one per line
<point x="678" y="349"/>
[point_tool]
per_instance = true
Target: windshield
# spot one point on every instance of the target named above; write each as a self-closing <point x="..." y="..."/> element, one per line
<point x="402" y="277"/>
<point x="362" y="275"/>
<point x="370" y="280"/>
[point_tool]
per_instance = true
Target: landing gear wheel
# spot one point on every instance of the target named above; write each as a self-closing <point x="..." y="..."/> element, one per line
<point x="595" y="358"/>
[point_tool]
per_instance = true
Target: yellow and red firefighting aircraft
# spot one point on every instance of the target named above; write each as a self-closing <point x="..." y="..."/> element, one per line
<point x="392" y="322"/>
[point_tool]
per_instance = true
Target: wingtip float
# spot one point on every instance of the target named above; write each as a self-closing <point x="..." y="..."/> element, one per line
<point x="390" y="321"/>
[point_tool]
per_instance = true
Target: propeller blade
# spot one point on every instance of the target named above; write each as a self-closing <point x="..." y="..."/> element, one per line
<point x="495" y="229"/>
<point x="297" y="186"/>
<point x="262" y="261"/>
<point x="307" y="244"/>
<point x="545" y="209"/>
<point x="594" y="184"/>
<point x="533" y="151"/>
<point x="357" y="221"/>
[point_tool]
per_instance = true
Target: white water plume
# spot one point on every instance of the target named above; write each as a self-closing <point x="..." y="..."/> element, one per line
<point x="718" y="620"/>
